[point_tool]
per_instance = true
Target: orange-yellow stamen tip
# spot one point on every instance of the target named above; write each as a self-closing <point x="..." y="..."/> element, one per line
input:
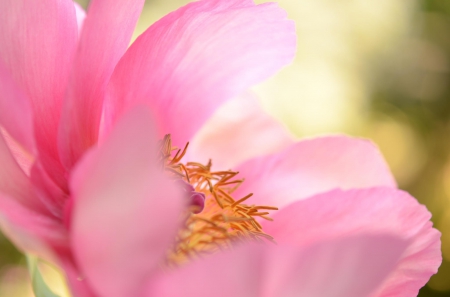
<point x="216" y="219"/>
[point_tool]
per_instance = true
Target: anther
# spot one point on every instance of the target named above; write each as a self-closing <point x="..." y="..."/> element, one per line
<point x="196" y="199"/>
<point x="216" y="219"/>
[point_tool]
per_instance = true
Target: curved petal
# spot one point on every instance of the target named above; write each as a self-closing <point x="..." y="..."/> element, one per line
<point x="15" y="111"/>
<point x="23" y="218"/>
<point x="79" y="285"/>
<point x="240" y="126"/>
<point x="106" y="34"/>
<point x="52" y="196"/>
<point x="125" y="215"/>
<point x="81" y="15"/>
<point x="313" y="166"/>
<point x="38" y="41"/>
<point x="32" y="231"/>
<point x="192" y="60"/>
<point x="22" y="156"/>
<point x="14" y="182"/>
<point x="367" y="211"/>
<point x="326" y="269"/>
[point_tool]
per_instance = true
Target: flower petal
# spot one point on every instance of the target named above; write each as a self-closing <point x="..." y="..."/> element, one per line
<point x="32" y="231"/>
<point x="15" y="111"/>
<point x="240" y="126"/>
<point x="79" y="286"/>
<point x="192" y="60"/>
<point x="52" y="196"/>
<point x="125" y="215"/>
<point x="366" y="211"/>
<point x="16" y="122"/>
<point x="313" y="166"/>
<point x="106" y="34"/>
<point x="13" y="181"/>
<point x="23" y="218"/>
<point x="325" y="269"/>
<point x="81" y="16"/>
<point x="38" y="41"/>
<point x="23" y="157"/>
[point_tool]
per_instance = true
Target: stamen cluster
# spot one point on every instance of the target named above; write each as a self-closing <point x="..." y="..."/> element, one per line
<point x="224" y="219"/>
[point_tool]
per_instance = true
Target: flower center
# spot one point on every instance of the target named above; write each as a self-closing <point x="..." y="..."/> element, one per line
<point x="216" y="219"/>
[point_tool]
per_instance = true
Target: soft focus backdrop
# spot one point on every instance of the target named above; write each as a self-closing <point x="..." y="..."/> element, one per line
<point x="376" y="69"/>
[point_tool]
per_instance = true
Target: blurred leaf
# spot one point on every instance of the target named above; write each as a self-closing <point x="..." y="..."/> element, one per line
<point x="40" y="288"/>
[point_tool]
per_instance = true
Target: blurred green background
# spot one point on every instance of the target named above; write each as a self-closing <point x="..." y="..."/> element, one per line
<point x="376" y="69"/>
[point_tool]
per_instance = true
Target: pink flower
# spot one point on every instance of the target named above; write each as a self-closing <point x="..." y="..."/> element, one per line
<point x="82" y="118"/>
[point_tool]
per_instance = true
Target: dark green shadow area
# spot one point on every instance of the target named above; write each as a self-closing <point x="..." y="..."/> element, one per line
<point x="9" y="254"/>
<point x="427" y="292"/>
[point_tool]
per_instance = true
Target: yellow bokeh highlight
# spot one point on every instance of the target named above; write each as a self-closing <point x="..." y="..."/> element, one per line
<point x="400" y="146"/>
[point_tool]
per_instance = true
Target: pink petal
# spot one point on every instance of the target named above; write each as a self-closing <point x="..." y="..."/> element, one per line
<point x="16" y="125"/>
<point x="15" y="111"/>
<point x="106" y="34"/>
<point x="194" y="59"/>
<point x="239" y="126"/>
<point x="313" y="166"/>
<point x="51" y="196"/>
<point x="23" y="217"/>
<point x="81" y="16"/>
<point x="38" y="41"/>
<point x="23" y="157"/>
<point x="79" y="286"/>
<point x="368" y="211"/>
<point x="13" y="181"/>
<point x="31" y="231"/>
<point x="125" y="215"/>
<point x="350" y="267"/>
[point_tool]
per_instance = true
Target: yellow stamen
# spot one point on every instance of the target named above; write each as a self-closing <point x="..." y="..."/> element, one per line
<point x="224" y="219"/>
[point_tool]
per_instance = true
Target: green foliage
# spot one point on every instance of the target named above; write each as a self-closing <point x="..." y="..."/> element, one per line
<point x="40" y="288"/>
